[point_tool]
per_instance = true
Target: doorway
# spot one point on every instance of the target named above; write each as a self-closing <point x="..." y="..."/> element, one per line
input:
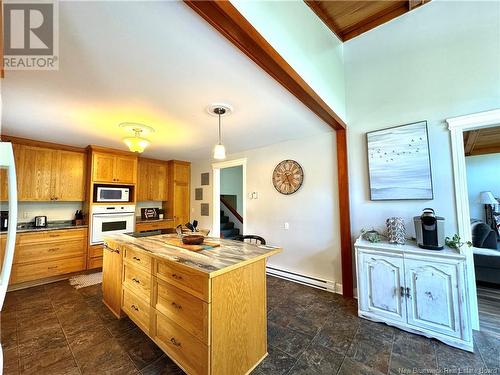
<point x="229" y="193"/>
<point x="458" y="126"/>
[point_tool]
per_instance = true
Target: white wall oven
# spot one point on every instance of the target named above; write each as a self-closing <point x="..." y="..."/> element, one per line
<point x="111" y="220"/>
<point x="112" y="194"/>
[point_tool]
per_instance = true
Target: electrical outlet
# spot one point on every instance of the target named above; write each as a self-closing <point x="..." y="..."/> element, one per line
<point x="286" y="226"/>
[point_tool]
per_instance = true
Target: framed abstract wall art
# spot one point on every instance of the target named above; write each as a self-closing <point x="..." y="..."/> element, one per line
<point x="399" y="164"/>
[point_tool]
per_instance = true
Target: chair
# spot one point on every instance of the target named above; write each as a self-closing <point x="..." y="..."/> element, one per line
<point x="250" y="238"/>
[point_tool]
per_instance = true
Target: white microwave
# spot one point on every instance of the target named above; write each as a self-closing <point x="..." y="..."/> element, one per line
<point x="112" y="194"/>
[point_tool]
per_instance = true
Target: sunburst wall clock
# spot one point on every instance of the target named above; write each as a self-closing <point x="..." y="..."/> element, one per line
<point x="288" y="177"/>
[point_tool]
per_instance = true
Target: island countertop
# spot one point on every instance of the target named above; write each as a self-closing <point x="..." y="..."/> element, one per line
<point x="216" y="261"/>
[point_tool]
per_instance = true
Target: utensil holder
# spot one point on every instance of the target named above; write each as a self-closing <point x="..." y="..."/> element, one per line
<point x="396" y="232"/>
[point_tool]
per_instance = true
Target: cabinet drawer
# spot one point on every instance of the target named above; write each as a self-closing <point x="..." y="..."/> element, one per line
<point x="184" y="348"/>
<point x="95" y="251"/>
<point x="94" y="263"/>
<point x="139" y="227"/>
<point x="191" y="281"/>
<point x="30" y="253"/>
<point x="28" y="272"/>
<point x="137" y="280"/>
<point x="138" y="258"/>
<point x="136" y="309"/>
<point x="183" y="308"/>
<point x="51" y="235"/>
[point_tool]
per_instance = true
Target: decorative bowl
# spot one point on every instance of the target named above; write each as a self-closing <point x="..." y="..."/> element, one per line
<point x="193" y="239"/>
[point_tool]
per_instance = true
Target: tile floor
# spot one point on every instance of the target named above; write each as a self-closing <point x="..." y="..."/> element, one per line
<point x="55" y="329"/>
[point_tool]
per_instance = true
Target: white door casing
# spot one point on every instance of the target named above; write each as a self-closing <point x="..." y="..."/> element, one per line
<point x="382" y="279"/>
<point x="457" y="125"/>
<point x="433" y="297"/>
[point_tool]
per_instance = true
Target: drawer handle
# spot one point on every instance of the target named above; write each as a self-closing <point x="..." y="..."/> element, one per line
<point x="175" y="342"/>
<point x="52" y="267"/>
<point x="135" y="280"/>
<point x="177" y="306"/>
<point x="54" y="235"/>
<point x="134" y="307"/>
<point x="55" y="249"/>
<point x="137" y="259"/>
<point x="177" y="277"/>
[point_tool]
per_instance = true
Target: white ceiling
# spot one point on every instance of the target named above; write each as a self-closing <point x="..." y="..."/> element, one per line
<point x="156" y="63"/>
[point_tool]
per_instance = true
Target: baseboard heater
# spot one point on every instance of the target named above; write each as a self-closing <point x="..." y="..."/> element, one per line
<point x="329" y="286"/>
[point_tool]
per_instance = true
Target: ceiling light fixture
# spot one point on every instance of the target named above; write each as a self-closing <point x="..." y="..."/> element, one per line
<point x="136" y="143"/>
<point x="219" y="110"/>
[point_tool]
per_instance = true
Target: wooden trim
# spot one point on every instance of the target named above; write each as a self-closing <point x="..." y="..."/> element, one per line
<point x="325" y="17"/>
<point x="344" y="214"/>
<point x="108" y="150"/>
<point x="224" y="17"/>
<point x="374" y="21"/>
<point x="33" y="143"/>
<point x="484" y="151"/>
<point x="231" y="208"/>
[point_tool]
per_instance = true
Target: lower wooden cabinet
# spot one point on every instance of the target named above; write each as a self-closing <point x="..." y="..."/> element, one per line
<point x="46" y="254"/>
<point x="142" y="226"/>
<point x="95" y="254"/>
<point x="421" y="291"/>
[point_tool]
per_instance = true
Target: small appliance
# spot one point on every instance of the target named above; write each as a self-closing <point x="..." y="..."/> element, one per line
<point x="150" y="213"/>
<point x="40" y="221"/>
<point x="111" y="220"/>
<point x="4" y="220"/>
<point x="429" y="230"/>
<point x="112" y="194"/>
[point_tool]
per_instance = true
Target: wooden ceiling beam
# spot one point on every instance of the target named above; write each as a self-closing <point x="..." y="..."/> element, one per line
<point x="484" y="150"/>
<point x="224" y="17"/>
<point x="471" y="139"/>
<point x="317" y="8"/>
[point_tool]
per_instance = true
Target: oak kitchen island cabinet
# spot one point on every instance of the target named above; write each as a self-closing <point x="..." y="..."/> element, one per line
<point x="206" y="310"/>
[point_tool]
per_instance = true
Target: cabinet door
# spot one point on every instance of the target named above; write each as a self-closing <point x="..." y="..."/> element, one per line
<point x="181" y="204"/>
<point x="143" y="181"/>
<point x="381" y="282"/>
<point x="112" y="279"/>
<point x="181" y="172"/>
<point x="103" y="167"/>
<point x="158" y="178"/>
<point x="433" y="301"/>
<point x="35" y="174"/>
<point x="70" y="176"/>
<point x="125" y="169"/>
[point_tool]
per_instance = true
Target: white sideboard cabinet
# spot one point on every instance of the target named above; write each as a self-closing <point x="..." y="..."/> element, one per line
<point x="417" y="290"/>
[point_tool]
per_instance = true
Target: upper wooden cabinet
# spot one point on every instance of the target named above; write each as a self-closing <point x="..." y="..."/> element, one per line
<point x="113" y="168"/>
<point x="178" y="206"/>
<point x="46" y="174"/>
<point x="152" y="180"/>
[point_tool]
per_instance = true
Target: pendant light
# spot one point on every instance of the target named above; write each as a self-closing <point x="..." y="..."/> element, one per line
<point x="219" y="149"/>
<point x="137" y="143"/>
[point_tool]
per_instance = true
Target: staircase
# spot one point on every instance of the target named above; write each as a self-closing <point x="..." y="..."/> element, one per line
<point x="227" y="229"/>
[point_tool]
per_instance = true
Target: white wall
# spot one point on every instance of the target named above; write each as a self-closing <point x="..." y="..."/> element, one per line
<point x="231" y="183"/>
<point x="311" y="245"/>
<point x="53" y="210"/>
<point x="305" y="42"/>
<point x="146" y="204"/>
<point x="438" y="61"/>
<point x="483" y="174"/>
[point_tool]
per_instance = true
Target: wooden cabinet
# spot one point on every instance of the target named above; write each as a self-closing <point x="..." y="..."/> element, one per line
<point x="421" y="291"/>
<point x="113" y="168"/>
<point x="142" y="226"/>
<point x="178" y="207"/>
<point x="152" y="180"/>
<point x="47" y="174"/>
<point x="112" y="264"/>
<point x="45" y="254"/>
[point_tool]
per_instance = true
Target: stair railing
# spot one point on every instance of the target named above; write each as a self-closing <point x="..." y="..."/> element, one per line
<point x="232" y="209"/>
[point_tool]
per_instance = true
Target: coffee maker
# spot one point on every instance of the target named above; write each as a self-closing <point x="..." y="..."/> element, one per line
<point x="429" y="230"/>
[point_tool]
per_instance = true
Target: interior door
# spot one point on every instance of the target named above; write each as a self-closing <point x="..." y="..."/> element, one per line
<point x="381" y="286"/>
<point x="181" y="203"/>
<point x="433" y="296"/>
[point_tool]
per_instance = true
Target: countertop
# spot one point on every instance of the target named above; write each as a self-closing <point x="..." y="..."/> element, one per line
<point x="216" y="261"/>
<point x="54" y="225"/>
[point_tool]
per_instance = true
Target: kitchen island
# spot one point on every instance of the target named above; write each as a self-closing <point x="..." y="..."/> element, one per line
<point x="206" y="310"/>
